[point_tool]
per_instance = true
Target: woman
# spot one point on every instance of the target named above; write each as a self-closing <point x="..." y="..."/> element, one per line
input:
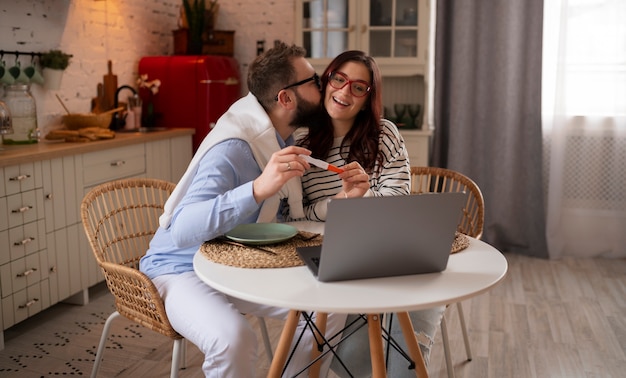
<point x="354" y="137"/>
<point x="375" y="161"/>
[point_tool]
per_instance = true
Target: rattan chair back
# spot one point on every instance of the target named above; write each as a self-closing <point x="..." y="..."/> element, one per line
<point x="434" y="179"/>
<point x="120" y="218"/>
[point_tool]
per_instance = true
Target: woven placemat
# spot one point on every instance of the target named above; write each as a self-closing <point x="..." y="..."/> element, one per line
<point x="460" y="242"/>
<point x="248" y="257"/>
<point x="221" y="252"/>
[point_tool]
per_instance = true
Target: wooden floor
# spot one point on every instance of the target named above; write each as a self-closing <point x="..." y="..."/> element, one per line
<point x="564" y="318"/>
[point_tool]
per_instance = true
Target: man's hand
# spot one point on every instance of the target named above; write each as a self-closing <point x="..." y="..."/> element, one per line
<point x="283" y="166"/>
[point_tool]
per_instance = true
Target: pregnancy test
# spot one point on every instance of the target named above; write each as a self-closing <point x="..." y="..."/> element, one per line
<point x="321" y="163"/>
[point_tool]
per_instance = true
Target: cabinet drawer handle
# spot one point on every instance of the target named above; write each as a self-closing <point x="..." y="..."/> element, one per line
<point x="19" y="178"/>
<point x="22" y="209"/>
<point x="53" y="269"/>
<point x="117" y="163"/>
<point x="27" y="273"/>
<point x="49" y="196"/>
<point x="24" y="242"/>
<point x="29" y="303"/>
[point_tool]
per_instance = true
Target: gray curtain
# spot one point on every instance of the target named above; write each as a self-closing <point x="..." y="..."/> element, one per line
<point x="487" y="112"/>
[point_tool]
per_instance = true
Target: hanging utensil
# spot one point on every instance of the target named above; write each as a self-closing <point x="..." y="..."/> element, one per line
<point x="62" y="104"/>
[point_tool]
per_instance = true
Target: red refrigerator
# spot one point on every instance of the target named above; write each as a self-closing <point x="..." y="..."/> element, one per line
<point x="195" y="91"/>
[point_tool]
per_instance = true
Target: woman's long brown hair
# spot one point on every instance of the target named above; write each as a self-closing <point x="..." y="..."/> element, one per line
<point x="363" y="137"/>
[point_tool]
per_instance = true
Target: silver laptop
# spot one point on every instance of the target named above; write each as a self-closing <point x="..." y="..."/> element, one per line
<point x="385" y="236"/>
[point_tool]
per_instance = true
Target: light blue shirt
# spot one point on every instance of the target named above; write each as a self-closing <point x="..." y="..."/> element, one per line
<point x="219" y="198"/>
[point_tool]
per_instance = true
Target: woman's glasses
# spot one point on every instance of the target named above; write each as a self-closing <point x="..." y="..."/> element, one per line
<point x="358" y="88"/>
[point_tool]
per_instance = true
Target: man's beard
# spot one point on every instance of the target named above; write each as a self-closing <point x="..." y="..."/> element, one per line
<point x="308" y="114"/>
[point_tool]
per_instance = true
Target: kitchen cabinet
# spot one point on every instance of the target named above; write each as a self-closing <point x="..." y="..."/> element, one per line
<point x="394" y="32"/>
<point x="44" y="254"/>
<point x="95" y="168"/>
<point x="169" y="166"/>
<point x="417" y="143"/>
<point x="23" y="258"/>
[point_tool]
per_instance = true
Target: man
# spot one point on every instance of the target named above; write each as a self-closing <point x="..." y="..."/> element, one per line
<point x="240" y="173"/>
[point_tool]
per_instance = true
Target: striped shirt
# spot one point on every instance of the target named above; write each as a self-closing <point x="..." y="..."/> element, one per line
<point x="393" y="178"/>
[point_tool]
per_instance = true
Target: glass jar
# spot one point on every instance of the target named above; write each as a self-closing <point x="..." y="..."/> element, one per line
<point x="6" y="126"/>
<point x="23" y="114"/>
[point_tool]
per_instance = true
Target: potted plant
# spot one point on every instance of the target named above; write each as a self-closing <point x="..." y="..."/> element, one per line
<point x="196" y="17"/>
<point x="194" y="14"/>
<point x="53" y="62"/>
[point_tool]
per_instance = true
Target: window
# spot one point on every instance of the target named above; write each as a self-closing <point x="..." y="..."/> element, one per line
<point x="585" y="57"/>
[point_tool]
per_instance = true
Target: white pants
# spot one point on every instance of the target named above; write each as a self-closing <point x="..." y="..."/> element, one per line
<point x="213" y="321"/>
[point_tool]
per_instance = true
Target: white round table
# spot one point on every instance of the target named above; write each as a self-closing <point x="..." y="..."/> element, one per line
<point x="469" y="273"/>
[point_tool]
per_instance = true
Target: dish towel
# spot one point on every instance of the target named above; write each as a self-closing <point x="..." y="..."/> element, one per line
<point x="245" y="120"/>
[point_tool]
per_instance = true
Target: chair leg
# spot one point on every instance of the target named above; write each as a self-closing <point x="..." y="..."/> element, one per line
<point x="266" y="338"/>
<point x="468" y="349"/>
<point x="103" y="338"/>
<point x="446" y="347"/>
<point x="177" y="354"/>
<point x="183" y="354"/>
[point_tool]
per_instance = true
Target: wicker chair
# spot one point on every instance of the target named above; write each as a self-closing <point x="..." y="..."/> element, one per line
<point x="120" y="218"/>
<point x="432" y="179"/>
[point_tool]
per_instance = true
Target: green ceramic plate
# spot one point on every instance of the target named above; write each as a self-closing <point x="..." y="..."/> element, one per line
<point x="261" y="233"/>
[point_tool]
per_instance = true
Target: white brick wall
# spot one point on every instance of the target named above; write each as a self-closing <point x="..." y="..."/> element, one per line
<point x="254" y="20"/>
<point x="123" y="31"/>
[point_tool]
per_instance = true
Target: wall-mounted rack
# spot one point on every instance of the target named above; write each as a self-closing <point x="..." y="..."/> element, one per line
<point x="32" y="54"/>
<point x="17" y="54"/>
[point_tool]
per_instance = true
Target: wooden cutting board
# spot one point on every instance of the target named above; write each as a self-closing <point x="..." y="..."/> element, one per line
<point x="96" y="102"/>
<point x="110" y="86"/>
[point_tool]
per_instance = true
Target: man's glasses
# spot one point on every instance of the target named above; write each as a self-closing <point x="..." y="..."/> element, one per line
<point x="315" y="78"/>
<point x="358" y="88"/>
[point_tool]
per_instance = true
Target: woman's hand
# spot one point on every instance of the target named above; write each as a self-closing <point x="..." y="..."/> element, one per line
<point x="283" y="166"/>
<point x="355" y="181"/>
